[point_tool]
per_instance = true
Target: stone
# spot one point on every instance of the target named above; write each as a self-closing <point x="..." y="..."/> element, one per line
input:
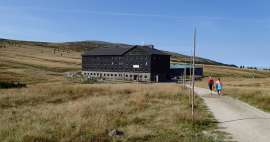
<point x="116" y="133"/>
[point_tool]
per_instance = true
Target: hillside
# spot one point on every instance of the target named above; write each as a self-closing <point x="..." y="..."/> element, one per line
<point x="81" y="46"/>
<point x="36" y="62"/>
<point x="53" y="108"/>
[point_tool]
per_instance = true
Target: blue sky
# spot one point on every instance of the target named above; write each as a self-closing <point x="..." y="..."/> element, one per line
<point x="229" y="31"/>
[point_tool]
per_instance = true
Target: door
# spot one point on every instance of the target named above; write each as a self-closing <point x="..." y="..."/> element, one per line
<point x="135" y="77"/>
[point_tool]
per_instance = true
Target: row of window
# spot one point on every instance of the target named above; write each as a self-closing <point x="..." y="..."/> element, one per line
<point x="120" y="58"/>
<point x="115" y="75"/>
<point x="117" y="63"/>
<point x="115" y="68"/>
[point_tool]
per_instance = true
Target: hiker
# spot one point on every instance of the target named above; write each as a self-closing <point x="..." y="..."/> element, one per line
<point x="219" y="86"/>
<point x="211" y="85"/>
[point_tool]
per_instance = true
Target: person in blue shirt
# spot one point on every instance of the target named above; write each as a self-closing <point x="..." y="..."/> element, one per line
<point x="219" y="86"/>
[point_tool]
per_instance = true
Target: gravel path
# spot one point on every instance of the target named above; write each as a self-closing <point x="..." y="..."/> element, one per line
<point x="244" y="122"/>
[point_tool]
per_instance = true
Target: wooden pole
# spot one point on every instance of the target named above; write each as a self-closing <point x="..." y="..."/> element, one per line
<point x="185" y="73"/>
<point x="193" y="72"/>
<point x="190" y="78"/>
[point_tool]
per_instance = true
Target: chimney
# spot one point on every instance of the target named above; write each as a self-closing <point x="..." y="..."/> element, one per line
<point x="150" y="46"/>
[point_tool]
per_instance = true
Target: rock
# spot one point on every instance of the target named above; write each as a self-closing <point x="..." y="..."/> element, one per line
<point x="116" y="133"/>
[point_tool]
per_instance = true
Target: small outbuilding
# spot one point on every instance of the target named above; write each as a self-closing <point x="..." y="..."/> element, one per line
<point x="180" y="69"/>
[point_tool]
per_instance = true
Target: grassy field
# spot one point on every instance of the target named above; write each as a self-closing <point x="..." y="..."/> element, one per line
<point x="231" y="72"/>
<point x="33" y="65"/>
<point x="249" y="86"/>
<point x="52" y="108"/>
<point x="78" y="113"/>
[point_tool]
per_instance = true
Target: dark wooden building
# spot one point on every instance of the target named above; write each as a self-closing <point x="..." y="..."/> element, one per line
<point x="179" y="69"/>
<point x="143" y="63"/>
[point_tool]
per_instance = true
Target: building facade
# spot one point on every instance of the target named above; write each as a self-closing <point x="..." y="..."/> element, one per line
<point x="141" y="63"/>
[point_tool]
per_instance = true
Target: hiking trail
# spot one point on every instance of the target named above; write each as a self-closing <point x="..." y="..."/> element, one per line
<point x="245" y="123"/>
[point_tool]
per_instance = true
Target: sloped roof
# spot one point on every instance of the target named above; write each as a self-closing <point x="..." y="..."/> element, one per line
<point x="108" y="51"/>
<point x="152" y="51"/>
<point x="183" y="65"/>
<point x="117" y="51"/>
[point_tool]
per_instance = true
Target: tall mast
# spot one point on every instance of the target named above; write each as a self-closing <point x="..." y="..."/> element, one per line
<point x="193" y="72"/>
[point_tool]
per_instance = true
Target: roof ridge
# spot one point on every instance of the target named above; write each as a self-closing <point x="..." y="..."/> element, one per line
<point x="121" y="50"/>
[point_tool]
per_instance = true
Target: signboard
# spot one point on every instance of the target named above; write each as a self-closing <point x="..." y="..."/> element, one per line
<point x="136" y="66"/>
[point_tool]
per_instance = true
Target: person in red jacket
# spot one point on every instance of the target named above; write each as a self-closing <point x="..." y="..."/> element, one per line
<point x="211" y="83"/>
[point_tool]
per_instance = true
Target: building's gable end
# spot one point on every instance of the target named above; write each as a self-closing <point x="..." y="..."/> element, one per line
<point x="137" y="50"/>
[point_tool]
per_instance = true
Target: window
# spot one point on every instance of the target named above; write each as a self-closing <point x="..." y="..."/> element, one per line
<point x="126" y="75"/>
<point x="115" y="74"/>
<point x="145" y="76"/>
<point x="130" y="75"/>
<point x="94" y="73"/>
<point x="91" y="74"/>
<point x="108" y="75"/>
<point x="111" y="74"/>
<point x="97" y="74"/>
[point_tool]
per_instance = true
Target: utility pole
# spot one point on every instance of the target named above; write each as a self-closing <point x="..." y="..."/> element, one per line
<point x="193" y="73"/>
<point x="190" y="78"/>
<point x="185" y="73"/>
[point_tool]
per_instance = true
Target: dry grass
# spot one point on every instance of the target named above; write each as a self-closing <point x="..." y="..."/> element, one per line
<point x="231" y="72"/>
<point x="31" y="65"/>
<point x="81" y="113"/>
<point x="253" y="91"/>
<point x="257" y="97"/>
<point x="51" y="109"/>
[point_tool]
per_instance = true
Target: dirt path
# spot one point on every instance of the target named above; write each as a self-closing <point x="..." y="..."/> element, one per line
<point x="244" y="122"/>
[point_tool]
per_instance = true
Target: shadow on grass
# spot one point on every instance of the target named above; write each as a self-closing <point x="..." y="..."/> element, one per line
<point x="7" y="85"/>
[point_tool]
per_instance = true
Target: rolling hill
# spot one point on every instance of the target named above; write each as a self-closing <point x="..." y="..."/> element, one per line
<point x="81" y="46"/>
<point x="42" y="62"/>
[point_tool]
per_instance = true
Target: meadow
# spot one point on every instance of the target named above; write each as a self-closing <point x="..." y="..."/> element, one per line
<point x="52" y="108"/>
<point x="78" y="113"/>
